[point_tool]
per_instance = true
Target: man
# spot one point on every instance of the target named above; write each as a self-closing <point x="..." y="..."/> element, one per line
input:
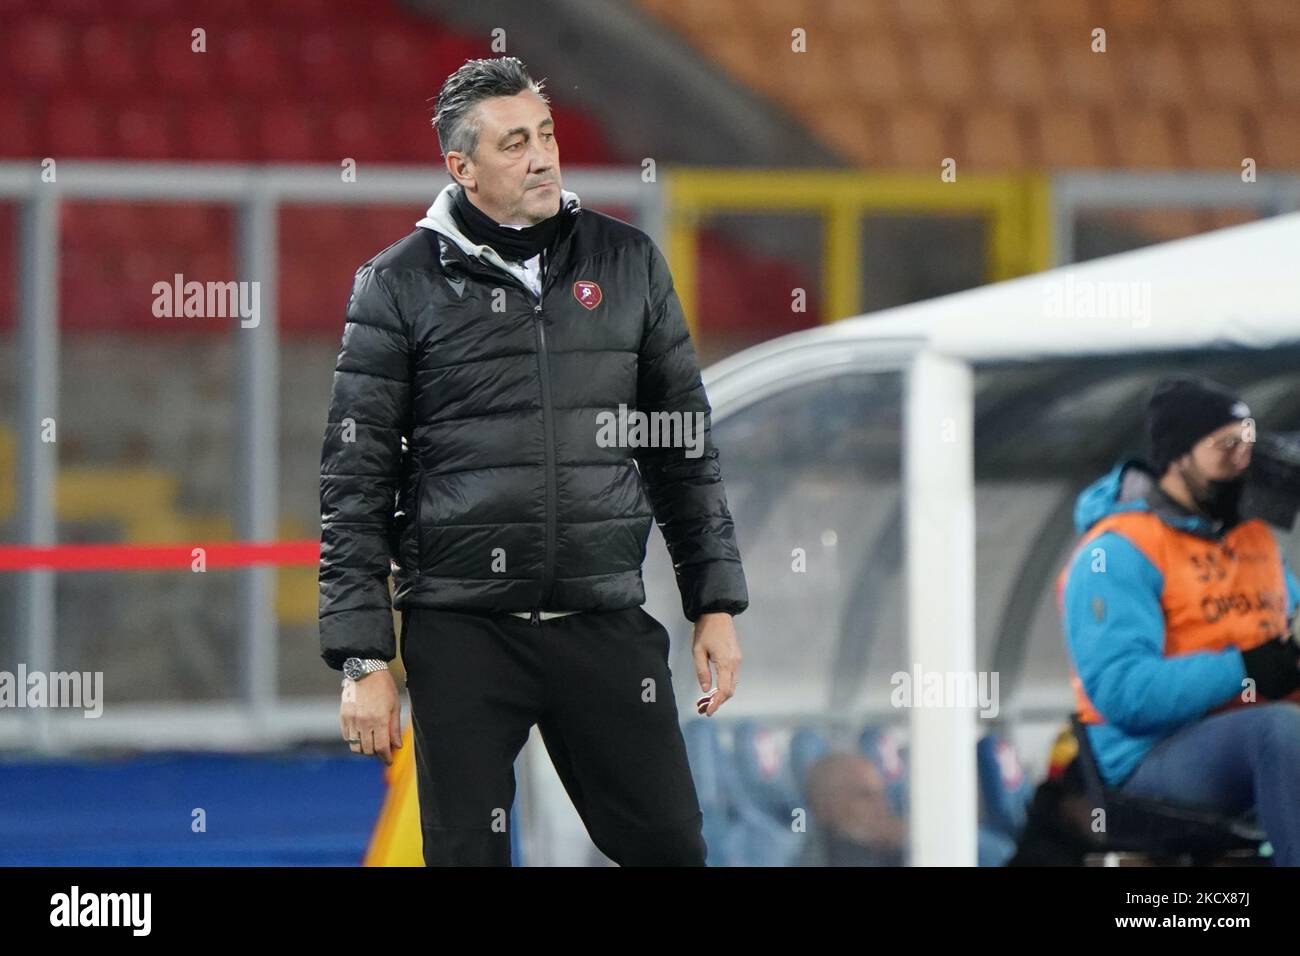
<point x="464" y="445"/>
<point x="1176" y="619"/>
<point x="854" y="825"/>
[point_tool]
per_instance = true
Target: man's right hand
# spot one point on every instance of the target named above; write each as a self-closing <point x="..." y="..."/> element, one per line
<point x="372" y="711"/>
<point x="1274" y="666"/>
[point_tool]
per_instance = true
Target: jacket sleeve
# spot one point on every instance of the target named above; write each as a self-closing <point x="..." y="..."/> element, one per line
<point x="1115" y="631"/>
<point x="369" y="413"/>
<point x="684" y="484"/>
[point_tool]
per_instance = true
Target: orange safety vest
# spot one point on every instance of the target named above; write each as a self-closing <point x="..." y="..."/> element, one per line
<point x="1217" y="594"/>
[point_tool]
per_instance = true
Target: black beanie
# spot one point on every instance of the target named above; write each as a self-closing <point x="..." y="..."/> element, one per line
<point x="1182" y="411"/>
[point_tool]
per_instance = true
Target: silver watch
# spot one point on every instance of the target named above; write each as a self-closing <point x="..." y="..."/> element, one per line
<point x="355" y="668"/>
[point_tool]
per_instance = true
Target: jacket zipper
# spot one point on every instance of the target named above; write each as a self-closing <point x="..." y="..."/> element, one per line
<point x="548" y="425"/>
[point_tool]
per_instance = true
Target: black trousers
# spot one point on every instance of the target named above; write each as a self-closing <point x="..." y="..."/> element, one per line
<point x="597" y="685"/>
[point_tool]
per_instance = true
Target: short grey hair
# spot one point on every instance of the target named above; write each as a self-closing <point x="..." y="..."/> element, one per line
<point x="477" y="80"/>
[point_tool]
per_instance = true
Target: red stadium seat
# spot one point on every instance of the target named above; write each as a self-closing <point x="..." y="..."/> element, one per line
<point x="325" y="61"/>
<point x="580" y="139"/>
<point x="20" y="138"/>
<point x="218" y="131"/>
<point x="147" y="130"/>
<point x="254" y="61"/>
<point x="109" y="55"/>
<point x="290" y="132"/>
<point x="77" y="128"/>
<point x="396" y="61"/>
<point x="39" y="51"/>
<point x="175" y="66"/>
<point x="362" y="132"/>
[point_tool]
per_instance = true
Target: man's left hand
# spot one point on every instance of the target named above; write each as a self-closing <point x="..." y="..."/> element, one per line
<point x="715" y="641"/>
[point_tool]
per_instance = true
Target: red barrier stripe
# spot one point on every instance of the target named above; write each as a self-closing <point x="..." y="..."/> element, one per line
<point x="156" y="557"/>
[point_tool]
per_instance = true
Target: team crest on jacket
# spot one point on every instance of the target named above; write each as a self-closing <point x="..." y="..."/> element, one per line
<point x="587" y="293"/>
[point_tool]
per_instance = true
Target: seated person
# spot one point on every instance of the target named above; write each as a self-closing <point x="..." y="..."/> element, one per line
<point x="852" y="822"/>
<point x="1176" y="620"/>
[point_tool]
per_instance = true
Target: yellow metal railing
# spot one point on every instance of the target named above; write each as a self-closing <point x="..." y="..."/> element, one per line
<point x="1016" y="207"/>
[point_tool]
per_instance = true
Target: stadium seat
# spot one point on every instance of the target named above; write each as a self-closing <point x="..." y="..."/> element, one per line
<point x="110" y="55"/>
<point x="174" y="64"/>
<point x="1068" y="139"/>
<point x="763" y="768"/>
<point x="1019" y="72"/>
<point x="147" y="130"/>
<point x="290" y="132"/>
<point x="1160" y="77"/>
<point x="807" y="746"/>
<point x="1086" y="78"/>
<point x="1280" y="138"/>
<point x="877" y="69"/>
<point x="1227" y="72"/>
<point x="39" y="51"/>
<point x="324" y="61"/>
<point x="1217" y="139"/>
<point x="994" y="140"/>
<point x="885" y="748"/>
<point x="253" y="61"/>
<point x="1146" y="139"/>
<point x="217" y="131"/>
<point x="917" y="138"/>
<point x="945" y="68"/>
<point x="1005" y="790"/>
<point x="76" y="129"/>
<point x="20" y="128"/>
<point x="708" y="761"/>
<point x="764" y="800"/>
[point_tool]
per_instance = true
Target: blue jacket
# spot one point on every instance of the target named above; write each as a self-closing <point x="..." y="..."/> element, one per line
<point x="1115" y="628"/>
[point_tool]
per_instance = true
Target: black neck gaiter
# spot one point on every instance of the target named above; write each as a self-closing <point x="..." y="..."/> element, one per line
<point x="516" y="244"/>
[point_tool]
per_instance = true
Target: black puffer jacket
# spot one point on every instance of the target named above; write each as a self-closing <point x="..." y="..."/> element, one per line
<point x="462" y="443"/>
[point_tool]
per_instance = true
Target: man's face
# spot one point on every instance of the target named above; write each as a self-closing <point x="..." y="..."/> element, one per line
<point x="514" y="174"/>
<point x="1220" y="456"/>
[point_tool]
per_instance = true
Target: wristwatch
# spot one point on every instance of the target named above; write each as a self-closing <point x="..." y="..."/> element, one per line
<point x="355" y="668"/>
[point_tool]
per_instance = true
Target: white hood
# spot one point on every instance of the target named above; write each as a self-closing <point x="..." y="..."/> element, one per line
<point x="439" y="219"/>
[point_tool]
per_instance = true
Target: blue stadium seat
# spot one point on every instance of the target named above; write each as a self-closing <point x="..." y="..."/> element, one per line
<point x="885" y="748"/>
<point x="807" y="746"/>
<point x="1005" y="790"/>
